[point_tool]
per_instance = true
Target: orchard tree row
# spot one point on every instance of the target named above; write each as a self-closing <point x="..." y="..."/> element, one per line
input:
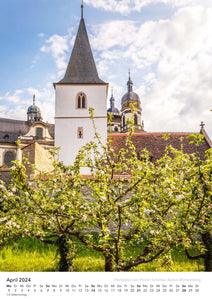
<point x="128" y="202"/>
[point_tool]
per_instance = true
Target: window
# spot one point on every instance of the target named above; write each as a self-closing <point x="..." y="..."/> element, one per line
<point x="124" y="123"/>
<point x="39" y="132"/>
<point x="9" y="156"/>
<point x="135" y="119"/>
<point x="80" y="132"/>
<point x="6" y="137"/>
<point x="116" y="129"/>
<point x="81" y="101"/>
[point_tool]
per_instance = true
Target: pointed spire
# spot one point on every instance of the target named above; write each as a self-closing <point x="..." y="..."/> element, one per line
<point x="112" y="97"/>
<point x="81" y="68"/>
<point x="113" y="110"/>
<point x="112" y="100"/>
<point x="130" y="83"/>
<point x="33" y="99"/>
<point x="82" y="6"/>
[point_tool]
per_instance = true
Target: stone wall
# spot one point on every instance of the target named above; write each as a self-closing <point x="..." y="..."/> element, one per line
<point x="5" y="175"/>
<point x="38" y="156"/>
<point x="42" y="158"/>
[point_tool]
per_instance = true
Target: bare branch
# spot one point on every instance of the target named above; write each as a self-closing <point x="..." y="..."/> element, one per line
<point x="194" y="257"/>
<point x="140" y="260"/>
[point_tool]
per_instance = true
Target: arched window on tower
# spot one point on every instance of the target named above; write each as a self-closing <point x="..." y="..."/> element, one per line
<point x="81" y="101"/>
<point x="78" y="102"/>
<point x="135" y="119"/>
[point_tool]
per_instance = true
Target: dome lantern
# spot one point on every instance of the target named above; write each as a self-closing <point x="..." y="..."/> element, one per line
<point x="33" y="112"/>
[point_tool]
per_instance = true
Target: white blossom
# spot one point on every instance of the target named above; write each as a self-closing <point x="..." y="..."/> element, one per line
<point x="84" y="218"/>
<point x="13" y="189"/>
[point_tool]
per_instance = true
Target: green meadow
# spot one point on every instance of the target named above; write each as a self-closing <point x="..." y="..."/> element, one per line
<point x="31" y="255"/>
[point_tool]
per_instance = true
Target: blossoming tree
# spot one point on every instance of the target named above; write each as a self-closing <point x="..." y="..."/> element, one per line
<point x="129" y="203"/>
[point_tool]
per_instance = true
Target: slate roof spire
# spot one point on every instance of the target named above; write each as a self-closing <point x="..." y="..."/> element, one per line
<point x="82" y="6"/>
<point x="81" y="68"/>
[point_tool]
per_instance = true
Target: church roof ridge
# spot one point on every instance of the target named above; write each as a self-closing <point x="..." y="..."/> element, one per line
<point x="151" y="133"/>
<point x="8" y="120"/>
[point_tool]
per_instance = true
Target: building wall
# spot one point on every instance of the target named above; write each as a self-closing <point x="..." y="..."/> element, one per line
<point x="39" y="156"/>
<point x="66" y="100"/>
<point x="32" y="132"/>
<point x="68" y="118"/>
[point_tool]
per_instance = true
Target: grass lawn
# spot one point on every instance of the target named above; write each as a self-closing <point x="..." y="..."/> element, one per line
<point x="30" y="255"/>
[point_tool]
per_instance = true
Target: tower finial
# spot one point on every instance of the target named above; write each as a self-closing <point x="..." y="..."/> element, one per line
<point x="82" y="6"/>
<point x="33" y="99"/>
<point x="129" y="83"/>
<point x="202" y="125"/>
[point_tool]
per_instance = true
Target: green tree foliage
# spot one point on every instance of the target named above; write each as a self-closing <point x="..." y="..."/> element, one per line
<point x="44" y="207"/>
<point x="127" y="203"/>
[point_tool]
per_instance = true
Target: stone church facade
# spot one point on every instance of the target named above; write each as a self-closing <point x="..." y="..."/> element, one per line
<point x="32" y="130"/>
<point x="80" y="89"/>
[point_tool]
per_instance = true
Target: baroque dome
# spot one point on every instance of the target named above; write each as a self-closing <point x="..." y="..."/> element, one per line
<point x="33" y="109"/>
<point x="113" y="110"/>
<point x="130" y="96"/>
<point x="33" y="112"/>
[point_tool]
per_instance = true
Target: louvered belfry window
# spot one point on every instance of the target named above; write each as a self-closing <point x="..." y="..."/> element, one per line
<point x="81" y="101"/>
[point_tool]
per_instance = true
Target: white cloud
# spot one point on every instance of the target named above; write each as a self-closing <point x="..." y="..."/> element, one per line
<point x="113" y="33"/>
<point x="171" y="63"/>
<point x="182" y="91"/>
<point x="23" y="99"/>
<point x="127" y="6"/>
<point x="58" y="47"/>
<point x="174" y="57"/>
<point x="41" y="34"/>
<point x="13" y="97"/>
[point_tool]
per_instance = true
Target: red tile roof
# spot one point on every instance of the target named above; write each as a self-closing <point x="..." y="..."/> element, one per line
<point x="155" y="144"/>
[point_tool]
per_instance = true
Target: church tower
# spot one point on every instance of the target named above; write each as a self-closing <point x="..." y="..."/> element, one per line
<point x="80" y="89"/>
<point x="115" y="125"/>
<point x="127" y="100"/>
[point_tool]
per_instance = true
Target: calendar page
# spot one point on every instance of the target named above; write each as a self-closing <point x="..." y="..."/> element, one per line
<point x="138" y="285"/>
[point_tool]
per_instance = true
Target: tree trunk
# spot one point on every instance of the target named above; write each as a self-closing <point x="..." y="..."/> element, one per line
<point x="108" y="263"/>
<point x="207" y="240"/>
<point x="66" y="257"/>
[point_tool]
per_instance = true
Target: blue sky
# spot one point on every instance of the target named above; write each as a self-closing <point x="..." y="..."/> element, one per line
<point x="167" y="45"/>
